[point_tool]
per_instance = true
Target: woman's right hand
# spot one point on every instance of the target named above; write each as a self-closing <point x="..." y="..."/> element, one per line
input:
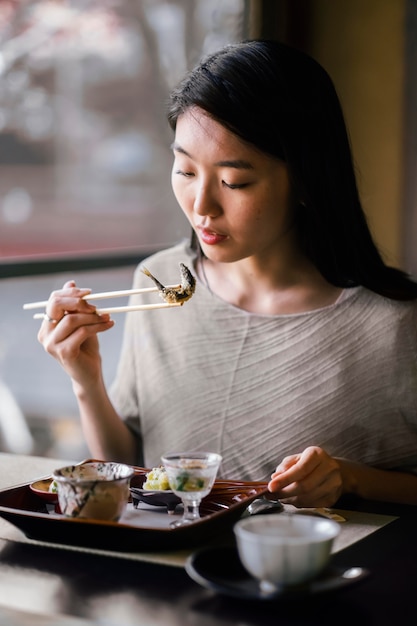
<point x="69" y="333"/>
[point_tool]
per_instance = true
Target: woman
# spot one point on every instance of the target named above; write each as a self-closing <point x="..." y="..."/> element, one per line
<point x="298" y="349"/>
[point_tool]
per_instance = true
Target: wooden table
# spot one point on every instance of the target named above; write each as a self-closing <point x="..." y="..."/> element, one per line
<point x="50" y="585"/>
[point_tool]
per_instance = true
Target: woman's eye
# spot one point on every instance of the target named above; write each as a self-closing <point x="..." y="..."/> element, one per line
<point x="186" y="174"/>
<point x="234" y="185"/>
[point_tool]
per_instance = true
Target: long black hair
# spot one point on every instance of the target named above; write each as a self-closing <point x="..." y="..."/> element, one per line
<point x="283" y="102"/>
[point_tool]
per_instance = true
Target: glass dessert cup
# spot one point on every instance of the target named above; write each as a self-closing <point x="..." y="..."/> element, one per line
<point x="191" y="476"/>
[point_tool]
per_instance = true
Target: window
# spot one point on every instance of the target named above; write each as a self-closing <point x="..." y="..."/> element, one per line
<point x="85" y="159"/>
<point x="85" y="171"/>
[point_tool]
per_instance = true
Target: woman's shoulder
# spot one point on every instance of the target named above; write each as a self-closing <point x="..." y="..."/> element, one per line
<point x="386" y="313"/>
<point x="363" y="295"/>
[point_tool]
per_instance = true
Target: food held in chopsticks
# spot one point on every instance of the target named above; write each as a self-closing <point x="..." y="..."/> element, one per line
<point x="175" y="295"/>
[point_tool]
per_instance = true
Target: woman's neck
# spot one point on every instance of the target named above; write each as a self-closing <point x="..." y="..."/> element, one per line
<point x="274" y="290"/>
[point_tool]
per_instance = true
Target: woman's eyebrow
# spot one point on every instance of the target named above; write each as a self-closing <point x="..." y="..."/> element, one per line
<point x="239" y="164"/>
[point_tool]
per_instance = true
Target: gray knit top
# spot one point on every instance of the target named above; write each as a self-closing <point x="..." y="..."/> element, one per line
<point x="256" y="388"/>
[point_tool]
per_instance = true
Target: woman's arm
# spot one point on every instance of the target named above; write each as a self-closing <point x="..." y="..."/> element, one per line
<point x="371" y="483"/>
<point x="107" y="436"/>
<point x="313" y="478"/>
<point x="69" y="334"/>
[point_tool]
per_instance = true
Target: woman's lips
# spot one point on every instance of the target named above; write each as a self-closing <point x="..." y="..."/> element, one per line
<point x="210" y="237"/>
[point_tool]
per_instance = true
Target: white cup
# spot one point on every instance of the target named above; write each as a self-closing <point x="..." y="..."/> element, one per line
<point x="285" y="549"/>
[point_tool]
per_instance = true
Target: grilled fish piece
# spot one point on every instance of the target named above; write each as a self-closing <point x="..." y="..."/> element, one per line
<point x="178" y="294"/>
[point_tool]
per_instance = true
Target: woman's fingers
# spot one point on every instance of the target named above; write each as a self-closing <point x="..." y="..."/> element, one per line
<point x="82" y="325"/>
<point x="312" y="478"/>
<point x="74" y="344"/>
<point x="71" y="319"/>
<point x="298" y="466"/>
<point x="69" y="333"/>
<point x="72" y="301"/>
<point x="69" y="299"/>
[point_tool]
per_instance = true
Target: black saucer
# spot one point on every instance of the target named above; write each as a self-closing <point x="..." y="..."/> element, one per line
<point x="165" y="498"/>
<point x="220" y="570"/>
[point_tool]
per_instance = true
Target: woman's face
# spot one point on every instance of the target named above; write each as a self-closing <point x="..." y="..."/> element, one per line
<point x="236" y="198"/>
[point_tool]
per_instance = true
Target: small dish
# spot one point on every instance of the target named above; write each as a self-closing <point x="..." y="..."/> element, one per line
<point x="220" y="570"/>
<point x="161" y="497"/>
<point x="41" y="488"/>
<point x="165" y="498"/>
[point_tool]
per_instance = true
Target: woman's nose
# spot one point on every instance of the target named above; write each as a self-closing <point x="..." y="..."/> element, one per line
<point x="205" y="201"/>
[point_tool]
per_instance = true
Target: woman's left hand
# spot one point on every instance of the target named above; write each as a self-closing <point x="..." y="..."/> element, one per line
<point x="310" y="479"/>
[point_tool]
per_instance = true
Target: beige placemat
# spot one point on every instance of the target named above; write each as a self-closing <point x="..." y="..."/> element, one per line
<point x="358" y="526"/>
<point x="16" y="469"/>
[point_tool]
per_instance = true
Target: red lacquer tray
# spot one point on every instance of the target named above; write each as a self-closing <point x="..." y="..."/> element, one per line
<point x="37" y="519"/>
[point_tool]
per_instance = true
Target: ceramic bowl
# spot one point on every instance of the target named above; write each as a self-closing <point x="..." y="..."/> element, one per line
<point x="284" y="549"/>
<point x="96" y="489"/>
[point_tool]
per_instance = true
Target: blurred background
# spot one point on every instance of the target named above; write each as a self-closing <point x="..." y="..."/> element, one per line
<point x="85" y="161"/>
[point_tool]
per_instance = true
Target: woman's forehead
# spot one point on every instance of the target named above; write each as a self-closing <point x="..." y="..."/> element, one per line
<point x="198" y="131"/>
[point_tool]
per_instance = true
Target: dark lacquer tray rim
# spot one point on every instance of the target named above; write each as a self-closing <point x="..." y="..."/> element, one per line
<point x="110" y="535"/>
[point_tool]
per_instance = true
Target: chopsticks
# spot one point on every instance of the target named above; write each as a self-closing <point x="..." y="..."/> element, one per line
<point x="114" y="294"/>
<point x="101" y="296"/>
<point x="126" y="309"/>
